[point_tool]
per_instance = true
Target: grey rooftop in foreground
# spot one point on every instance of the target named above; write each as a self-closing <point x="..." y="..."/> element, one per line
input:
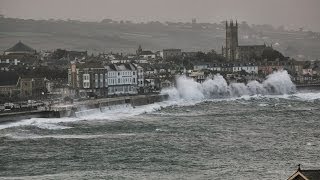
<point x="305" y="174"/>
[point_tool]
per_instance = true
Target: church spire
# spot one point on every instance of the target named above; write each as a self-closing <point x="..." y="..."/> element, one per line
<point x="138" y="52"/>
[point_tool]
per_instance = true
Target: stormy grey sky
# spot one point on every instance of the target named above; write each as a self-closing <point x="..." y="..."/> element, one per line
<point x="291" y="13"/>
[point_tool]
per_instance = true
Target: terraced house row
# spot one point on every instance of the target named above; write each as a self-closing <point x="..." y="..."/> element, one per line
<point x="94" y="80"/>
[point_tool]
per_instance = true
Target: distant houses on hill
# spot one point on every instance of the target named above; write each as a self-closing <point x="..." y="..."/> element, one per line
<point x="78" y="74"/>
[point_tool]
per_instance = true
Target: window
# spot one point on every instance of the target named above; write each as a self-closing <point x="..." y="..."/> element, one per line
<point x="101" y="80"/>
<point x="96" y="80"/>
<point x="86" y="80"/>
<point x="134" y="80"/>
<point x="119" y="80"/>
<point x="106" y="81"/>
<point x="134" y="73"/>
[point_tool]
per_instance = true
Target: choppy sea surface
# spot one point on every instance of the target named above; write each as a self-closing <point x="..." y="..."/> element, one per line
<point x="250" y="137"/>
<point x="204" y="131"/>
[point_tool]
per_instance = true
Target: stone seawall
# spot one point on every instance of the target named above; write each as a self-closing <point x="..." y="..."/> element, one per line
<point x="16" y="116"/>
<point x="70" y="110"/>
<point x="99" y="103"/>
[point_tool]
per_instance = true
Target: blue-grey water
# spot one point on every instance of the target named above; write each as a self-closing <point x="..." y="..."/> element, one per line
<point x="212" y="130"/>
<point x="259" y="137"/>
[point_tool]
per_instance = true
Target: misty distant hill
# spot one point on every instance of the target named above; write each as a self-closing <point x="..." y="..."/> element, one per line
<point x="110" y="35"/>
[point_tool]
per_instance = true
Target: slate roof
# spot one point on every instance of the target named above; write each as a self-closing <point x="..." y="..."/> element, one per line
<point x="146" y="53"/>
<point x="311" y="174"/>
<point x="8" y="78"/>
<point x="120" y="67"/>
<point x="90" y="64"/>
<point x="305" y="174"/>
<point x="20" y="47"/>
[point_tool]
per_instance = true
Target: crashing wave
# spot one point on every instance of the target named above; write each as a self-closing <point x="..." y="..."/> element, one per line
<point x="277" y="83"/>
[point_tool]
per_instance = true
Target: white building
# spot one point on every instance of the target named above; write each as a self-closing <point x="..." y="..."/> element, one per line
<point x="216" y="68"/>
<point x="140" y="72"/>
<point x="199" y="67"/>
<point x="147" y="55"/>
<point x="251" y="69"/>
<point x="121" y="61"/>
<point x="142" y="61"/>
<point x="122" y="79"/>
<point x="198" y="76"/>
<point x="10" y="61"/>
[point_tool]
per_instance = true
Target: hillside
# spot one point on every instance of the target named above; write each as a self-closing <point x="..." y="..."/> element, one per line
<point x="124" y="37"/>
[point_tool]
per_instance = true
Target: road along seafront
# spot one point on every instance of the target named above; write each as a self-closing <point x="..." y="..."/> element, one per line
<point x="69" y="110"/>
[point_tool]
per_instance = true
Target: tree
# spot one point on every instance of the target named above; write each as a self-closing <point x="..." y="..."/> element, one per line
<point x="271" y="54"/>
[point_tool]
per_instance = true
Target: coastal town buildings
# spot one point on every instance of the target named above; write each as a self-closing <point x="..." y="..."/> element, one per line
<point x="32" y="87"/>
<point x="88" y="80"/>
<point x="140" y="78"/>
<point x="18" y="55"/>
<point x="12" y="85"/>
<point x="145" y="54"/>
<point x="198" y="76"/>
<point x="250" y="68"/>
<point x="93" y="79"/>
<point x="171" y="53"/>
<point x="122" y="79"/>
<point x="116" y="74"/>
<point x="8" y="83"/>
<point x="232" y="51"/>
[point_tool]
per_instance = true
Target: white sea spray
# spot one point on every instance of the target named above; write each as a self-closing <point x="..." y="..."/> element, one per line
<point x="278" y="83"/>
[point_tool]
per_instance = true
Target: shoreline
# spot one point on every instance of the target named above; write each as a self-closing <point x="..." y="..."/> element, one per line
<point x="69" y="110"/>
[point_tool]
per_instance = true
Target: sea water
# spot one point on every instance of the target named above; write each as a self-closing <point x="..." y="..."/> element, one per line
<point x="203" y="131"/>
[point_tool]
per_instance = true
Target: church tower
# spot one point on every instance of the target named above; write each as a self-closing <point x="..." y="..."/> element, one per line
<point x="139" y="51"/>
<point x="229" y="51"/>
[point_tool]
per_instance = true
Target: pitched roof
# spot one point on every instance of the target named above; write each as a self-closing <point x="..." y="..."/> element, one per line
<point x="146" y="53"/>
<point x="8" y="78"/>
<point x="311" y="174"/>
<point x="90" y="64"/>
<point x="305" y="174"/>
<point x="20" y="47"/>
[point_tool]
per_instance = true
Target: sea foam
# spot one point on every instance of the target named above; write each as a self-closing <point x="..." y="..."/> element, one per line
<point x="278" y="83"/>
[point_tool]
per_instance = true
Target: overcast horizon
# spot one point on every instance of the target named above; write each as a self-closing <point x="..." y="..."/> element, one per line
<point x="290" y="13"/>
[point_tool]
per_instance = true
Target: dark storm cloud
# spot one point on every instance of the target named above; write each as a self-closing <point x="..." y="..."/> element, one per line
<point x="295" y="13"/>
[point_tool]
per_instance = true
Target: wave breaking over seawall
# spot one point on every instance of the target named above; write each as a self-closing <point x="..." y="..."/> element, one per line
<point x="277" y="83"/>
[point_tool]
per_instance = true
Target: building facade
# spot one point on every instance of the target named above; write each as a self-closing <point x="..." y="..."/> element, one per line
<point x="88" y="80"/>
<point x="9" y="82"/>
<point x="122" y="79"/>
<point x="232" y="51"/>
<point x="248" y="68"/>
<point x="33" y="87"/>
<point x="140" y="78"/>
